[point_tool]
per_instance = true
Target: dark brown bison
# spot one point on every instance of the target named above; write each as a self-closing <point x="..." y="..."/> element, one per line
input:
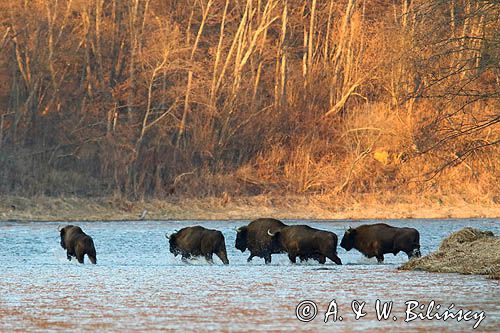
<point x="198" y="241"/>
<point x="254" y="237"/>
<point x="77" y="243"/>
<point x="375" y="240"/>
<point x="306" y="243"/>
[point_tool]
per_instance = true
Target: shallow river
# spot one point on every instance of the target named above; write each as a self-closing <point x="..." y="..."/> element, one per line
<point x="137" y="285"/>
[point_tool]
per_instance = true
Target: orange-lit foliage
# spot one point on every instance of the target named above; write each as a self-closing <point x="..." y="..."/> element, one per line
<point x="200" y="97"/>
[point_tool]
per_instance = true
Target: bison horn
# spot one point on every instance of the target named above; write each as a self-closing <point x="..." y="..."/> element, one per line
<point x="239" y="229"/>
<point x="167" y="236"/>
<point x="59" y="228"/>
<point x="269" y="233"/>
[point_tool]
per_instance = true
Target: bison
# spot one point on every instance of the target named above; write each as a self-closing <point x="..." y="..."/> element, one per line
<point x="375" y="240"/>
<point x="198" y="241"/>
<point x="77" y="243"/>
<point x="254" y="238"/>
<point x="306" y="243"/>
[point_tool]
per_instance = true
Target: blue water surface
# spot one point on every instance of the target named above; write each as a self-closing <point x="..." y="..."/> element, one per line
<point x="138" y="285"/>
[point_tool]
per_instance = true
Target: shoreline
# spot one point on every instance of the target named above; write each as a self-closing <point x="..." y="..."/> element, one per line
<point x="15" y="208"/>
<point x="468" y="251"/>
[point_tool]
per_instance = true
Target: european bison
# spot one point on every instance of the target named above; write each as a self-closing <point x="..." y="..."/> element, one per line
<point x="305" y="242"/>
<point x="375" y="240"/>
<point x="77" y="243"/>
<point x="198" y="241"/>
<point x="254" y="238"/>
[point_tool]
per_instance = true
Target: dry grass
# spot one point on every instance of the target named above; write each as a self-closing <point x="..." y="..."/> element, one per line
<point x="242" y="207"/>
<point x="468" y="251"/>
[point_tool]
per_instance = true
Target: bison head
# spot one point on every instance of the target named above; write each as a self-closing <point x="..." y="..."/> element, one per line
<point x="62" y="230"/>
<point x="348" y="239"/>
<point x="173" y="244"/>
<point x="241" y="238"/>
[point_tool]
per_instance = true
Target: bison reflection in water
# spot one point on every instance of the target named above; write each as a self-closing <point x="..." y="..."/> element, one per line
<point x="198" y="241"/>
<point x="375" y="240"/>
<point x="306" y="243"/>
<point x="254" y="237"/>
<point x="77" y="243"/>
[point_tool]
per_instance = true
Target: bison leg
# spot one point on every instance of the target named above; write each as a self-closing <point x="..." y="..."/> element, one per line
<point x="223" y="257"/>
<point x="267" y="259"/>
<point x="79" y="257"/>
<point x="380" y="258"/>
<point x="250" y="257"/>
<point x="292" y="257"/>
<point x="321" y="259"/>
<point x="334" y="258"/>
<point x="68" y="255"/>
<point x="184" y="259"/>
<point x="209" y="258"/>
<point x="92" y="259"/>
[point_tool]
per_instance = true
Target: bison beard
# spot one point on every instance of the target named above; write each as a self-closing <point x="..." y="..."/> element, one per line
<point x="77" y="244"/>
<point x="375" y="240"/>
<point x="198" y="241"/>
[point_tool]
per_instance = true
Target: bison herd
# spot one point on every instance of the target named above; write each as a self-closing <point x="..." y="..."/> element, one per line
<point x="266" y="236"/>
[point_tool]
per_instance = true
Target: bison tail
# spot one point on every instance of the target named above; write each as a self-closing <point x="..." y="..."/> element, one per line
<point x="90" y="249"/>
<point x="92" y="259"/>
<point x="92" y="255"/>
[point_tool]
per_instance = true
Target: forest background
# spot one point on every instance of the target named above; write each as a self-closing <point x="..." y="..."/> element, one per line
<point x="239" y="108"/>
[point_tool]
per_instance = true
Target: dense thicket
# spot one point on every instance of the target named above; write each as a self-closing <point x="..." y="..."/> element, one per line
<point x="201" y="97"/>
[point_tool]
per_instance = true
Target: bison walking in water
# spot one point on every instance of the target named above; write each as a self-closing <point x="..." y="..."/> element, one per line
<point x="254" y="237"/>
<point x="306" y="243"/>
<point x="198" y="241"/>
<point x="375" y="240"/>
<point x="77" y="243"/>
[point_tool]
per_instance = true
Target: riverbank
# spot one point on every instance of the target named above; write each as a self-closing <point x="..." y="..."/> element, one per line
<point x="287" y="207"/>
<point x="468" y="251"/>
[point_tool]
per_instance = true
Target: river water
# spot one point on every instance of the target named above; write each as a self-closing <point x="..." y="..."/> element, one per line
<point x="137" y="285"/>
